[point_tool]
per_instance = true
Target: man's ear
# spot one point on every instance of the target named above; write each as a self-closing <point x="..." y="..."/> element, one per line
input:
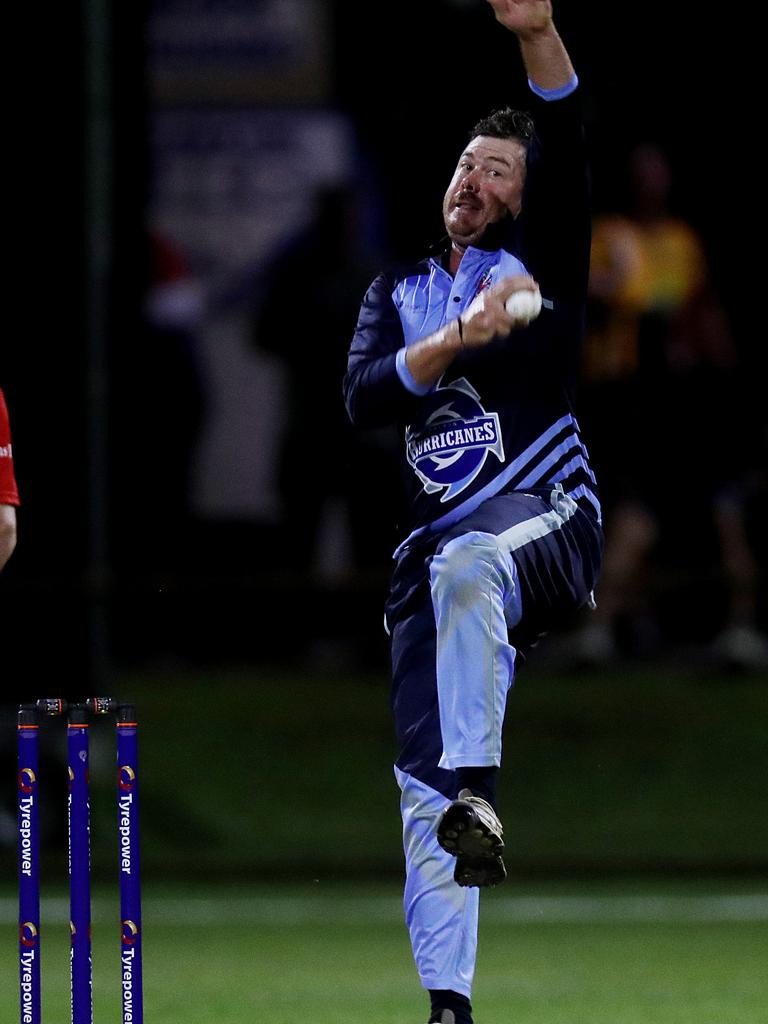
<point x="514" y="214"/>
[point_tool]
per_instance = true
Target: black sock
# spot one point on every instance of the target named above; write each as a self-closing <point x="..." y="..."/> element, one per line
<point x="445" y="999"/>
<point x="482" y="782"/>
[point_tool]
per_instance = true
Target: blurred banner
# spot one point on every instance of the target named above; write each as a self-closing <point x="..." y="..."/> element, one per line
<point x="260" y="51"/>
<point x="241" y="145"/>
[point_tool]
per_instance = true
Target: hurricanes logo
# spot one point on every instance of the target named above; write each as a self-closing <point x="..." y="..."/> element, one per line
<point x="27" y="780"/>
<point x="485" y="281"/>
<point x="28" y="934"/>
<point x="126" y="778"/>
<point x="130" y="933"/>
<point x="449" y="447"/>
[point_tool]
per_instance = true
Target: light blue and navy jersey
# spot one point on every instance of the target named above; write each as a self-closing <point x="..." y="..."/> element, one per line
<point x="502" y="417"/>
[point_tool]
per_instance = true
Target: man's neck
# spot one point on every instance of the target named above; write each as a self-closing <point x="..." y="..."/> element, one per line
<point x="454" y="257"/>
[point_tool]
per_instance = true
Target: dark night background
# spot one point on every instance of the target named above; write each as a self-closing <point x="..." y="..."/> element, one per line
<point x="261" y="683"/>
<point x="81" y="588"/>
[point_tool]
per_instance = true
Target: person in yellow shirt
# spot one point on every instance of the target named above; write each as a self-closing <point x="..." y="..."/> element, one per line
<point x="659" y="356"/>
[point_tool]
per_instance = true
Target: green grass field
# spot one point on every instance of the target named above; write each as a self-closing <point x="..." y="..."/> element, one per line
<point x="560" y="953"/>
<point x="627" y="771"/>
<point x="612" y="782"/>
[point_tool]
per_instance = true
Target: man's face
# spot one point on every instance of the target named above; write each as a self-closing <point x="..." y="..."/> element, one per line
<point x="487" y="184"/>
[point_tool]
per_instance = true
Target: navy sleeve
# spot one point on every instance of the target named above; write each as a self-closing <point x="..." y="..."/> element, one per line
<point x="374" y="394"/>
<point x="555" y="222"/>
<point x="552" y="237"/>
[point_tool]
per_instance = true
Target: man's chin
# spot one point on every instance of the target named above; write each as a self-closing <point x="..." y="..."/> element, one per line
<point x="464" y="234"/>
<point x="481" y="236"/>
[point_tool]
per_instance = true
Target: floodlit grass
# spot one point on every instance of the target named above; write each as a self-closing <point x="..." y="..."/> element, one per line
<point x="551" y="954"/>
<point x="603" y="775"/>
<point x="642" y="770"/>
<point x="638" y="770"/>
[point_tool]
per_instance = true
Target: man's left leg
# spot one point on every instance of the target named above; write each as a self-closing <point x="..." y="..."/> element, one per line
<point x="517" y="554"/>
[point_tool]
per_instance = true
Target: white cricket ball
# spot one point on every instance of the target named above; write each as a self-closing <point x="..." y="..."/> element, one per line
<point x="524" y="306"/>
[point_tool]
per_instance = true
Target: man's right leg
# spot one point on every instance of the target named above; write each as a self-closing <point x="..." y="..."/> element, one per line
<point x="442" y="917"/>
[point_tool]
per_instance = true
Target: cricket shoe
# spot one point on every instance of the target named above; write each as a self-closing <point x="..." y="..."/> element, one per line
<point x="446" y="1017"/>
<point x="471" y="832"/>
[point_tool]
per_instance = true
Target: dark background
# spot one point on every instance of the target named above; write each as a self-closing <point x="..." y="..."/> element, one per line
<point x="642" y="768"/>
<point x="81" y="594"/>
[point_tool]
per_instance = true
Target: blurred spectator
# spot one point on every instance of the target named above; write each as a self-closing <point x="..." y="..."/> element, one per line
<point x="9" y="493"/>
<point x="672" y="445"/>
<point x="160" y="404"/>
<point x="311" y="299"/>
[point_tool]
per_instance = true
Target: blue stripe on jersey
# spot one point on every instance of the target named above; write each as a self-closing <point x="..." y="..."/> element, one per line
<point x="575" y="474"/>
<point x="539" y="474"/>
<point x="586" y="492"/>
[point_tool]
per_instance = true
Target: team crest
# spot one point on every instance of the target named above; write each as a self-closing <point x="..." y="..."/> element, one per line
<point x="448" y="448"/>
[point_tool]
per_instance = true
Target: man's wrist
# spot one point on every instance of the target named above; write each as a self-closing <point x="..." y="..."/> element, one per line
<point x="537" y="33"/>
<point x="453" y="335"/>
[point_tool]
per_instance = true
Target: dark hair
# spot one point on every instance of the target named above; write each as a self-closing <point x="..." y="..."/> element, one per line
<point x="505" y="124"/>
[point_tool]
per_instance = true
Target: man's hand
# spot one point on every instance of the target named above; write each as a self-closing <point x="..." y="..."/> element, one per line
<point x="523" y="17"/>
<point x="486" y="318"/>
<point x="545" y="58"/>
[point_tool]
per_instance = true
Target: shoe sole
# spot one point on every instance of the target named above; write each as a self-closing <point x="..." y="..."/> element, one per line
<point x="476" y="848"/>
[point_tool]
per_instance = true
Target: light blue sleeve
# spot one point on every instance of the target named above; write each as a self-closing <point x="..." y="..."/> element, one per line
<point x="555" y="94"/>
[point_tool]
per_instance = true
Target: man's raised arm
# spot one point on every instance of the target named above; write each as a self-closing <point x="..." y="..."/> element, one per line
<point x="545" y="57"/>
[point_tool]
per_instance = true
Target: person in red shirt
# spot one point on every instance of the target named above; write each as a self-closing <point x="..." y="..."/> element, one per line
<point x="9" y="492"/>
